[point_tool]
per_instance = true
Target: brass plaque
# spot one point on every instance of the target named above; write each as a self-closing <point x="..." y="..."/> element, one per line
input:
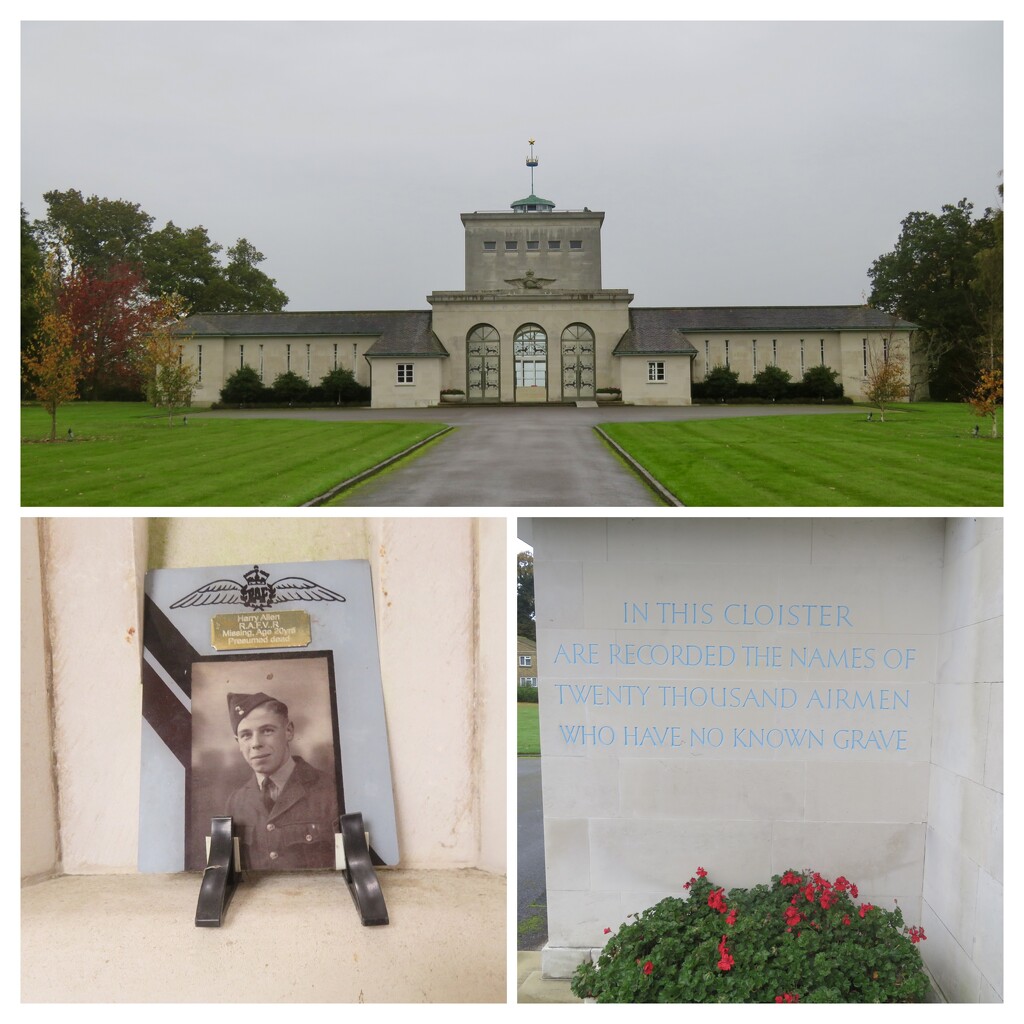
<point x="251" y="630"/>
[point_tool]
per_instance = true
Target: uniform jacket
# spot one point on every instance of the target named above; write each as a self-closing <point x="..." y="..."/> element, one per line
<point x="298" y="832"/>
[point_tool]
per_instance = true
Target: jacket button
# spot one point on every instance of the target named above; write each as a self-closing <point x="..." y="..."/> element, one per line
<point x="270" y="826"/>
<point x="273" y="854"/>
<point x="309" y="839"/>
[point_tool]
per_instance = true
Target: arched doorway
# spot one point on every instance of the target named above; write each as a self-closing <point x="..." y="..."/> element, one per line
<point x="483" y="364"/>
<point x="530" y="355"/>
<point x="578" y="369"/>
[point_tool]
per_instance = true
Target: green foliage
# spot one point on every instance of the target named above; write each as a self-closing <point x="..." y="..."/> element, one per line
<point x="290" y="387"/>
<point x="820" y="381"/>
<point x="801" y="938"/>
<point x="525" y="605"/>
<point x="243" y="387"/>
<point x="928" y="278"/>
<point x="720" y="383"/>
<point x="527" y="730"/>
<point x="340" y="386"/>
<point x="772" y="382"/>
<point x="526" y="694"/>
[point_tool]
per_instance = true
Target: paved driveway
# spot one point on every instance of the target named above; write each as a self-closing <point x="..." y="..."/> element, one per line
<point x="519" y="455"/>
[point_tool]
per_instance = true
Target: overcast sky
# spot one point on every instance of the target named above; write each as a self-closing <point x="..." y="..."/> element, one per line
<point x="737" y="163"/>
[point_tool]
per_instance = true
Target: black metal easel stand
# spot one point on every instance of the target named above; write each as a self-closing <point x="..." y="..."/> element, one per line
<point x="220" y="879"/>
<point x="362" y="880"/>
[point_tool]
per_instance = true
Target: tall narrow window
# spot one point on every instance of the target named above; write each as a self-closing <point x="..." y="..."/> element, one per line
<point x="199" y="364"/>
<point x="802" y="371"/>
<point x="864" y="354"/>
<point x="726" y="351"/>
<point x="335" y="356"/>
<point x="241" y="356"/>
<point x="885" y="350"/>
<point x="753" y="352"/>
<point x="775" y="352"/>
<point x="308" y="361"/>
<point x="707" y="356"/>
<point x="530" y="354"/>
<point x="822" y="351"/>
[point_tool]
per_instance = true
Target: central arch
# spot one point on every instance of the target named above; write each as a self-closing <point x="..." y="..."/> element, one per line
<point x="577" y="362"/>
<point x="530" y="354"/>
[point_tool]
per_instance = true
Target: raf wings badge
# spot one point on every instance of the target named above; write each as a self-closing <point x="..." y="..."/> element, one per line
<point x="256" y="593"/>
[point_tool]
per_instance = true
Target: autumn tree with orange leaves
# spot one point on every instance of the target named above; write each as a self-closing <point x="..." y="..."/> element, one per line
<point x="988" y="396"/>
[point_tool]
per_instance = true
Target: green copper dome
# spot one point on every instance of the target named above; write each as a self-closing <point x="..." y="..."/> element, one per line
<point x="533" y="204"/>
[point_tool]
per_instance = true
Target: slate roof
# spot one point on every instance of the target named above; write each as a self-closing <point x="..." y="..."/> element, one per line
<point x="664" y="330"/>
<point x="404" y="332"/>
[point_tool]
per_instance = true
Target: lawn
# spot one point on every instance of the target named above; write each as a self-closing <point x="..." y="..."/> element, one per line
<point x="527" y="731"/>
<point x="923" y="454"/>
<point x="125" y="454"/>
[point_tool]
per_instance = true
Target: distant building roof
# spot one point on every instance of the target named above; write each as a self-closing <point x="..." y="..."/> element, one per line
<point x="398" y="332"/>
<point x="663" y="330"/>
<point x="532" y="202"/>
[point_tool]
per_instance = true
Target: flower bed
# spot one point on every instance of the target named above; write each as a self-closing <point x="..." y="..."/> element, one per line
<point x="801" y="938"/>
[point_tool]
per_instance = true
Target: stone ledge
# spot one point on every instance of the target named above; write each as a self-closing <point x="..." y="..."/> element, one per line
<point x="292" y="937"/>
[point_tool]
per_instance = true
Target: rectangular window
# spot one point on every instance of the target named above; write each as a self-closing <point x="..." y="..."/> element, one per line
<point x="802" y="357"/>
<point x="241" y="356"/>
<point x="554" y="243"/>
<point x="753" y="350"/>
<point x="575" y="243"/>
<point x="822" y="351"/>
<point x="335" y="356"/>
<point x="511" y="246"/>
<point x="655" y="371"/>
<point x="525" y="660"/>
<point x="775" y="352"/>
<point x="288" y="358"/>
<point x="532" y="244"/>
<point x="527" y="680"/>
<point x="885" y="350"/>
<point x="261" y="363"/>
<point x="199" y="364"/>
<point x="727" y="352"/>
<point x="707" y="356"/>
<point x="308" y="361"/>
<point x="490" y="246"/>
<point x="864" y="354"/>
<point x="405" y="375"/>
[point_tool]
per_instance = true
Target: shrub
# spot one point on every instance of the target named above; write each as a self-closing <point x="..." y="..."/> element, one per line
<point x="243" y="387"/>
<point x="527" y="695"/>
<point x="820" y="382"/>
<point x="340" y="386"/>
<point x="800" y="939"/>
<point x="772" y="382"/>
<point x="721" y="383"/>
<point x="290" y="387"/>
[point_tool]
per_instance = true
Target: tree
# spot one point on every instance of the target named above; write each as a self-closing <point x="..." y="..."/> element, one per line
<point x="886" y="381"/>
<point x="927" y="279"/>
<point x="820" y="381"/>
<point x="988" y="396"/>
<point x="720" y="383"/>
<point x="52" y="363"/>
<point x="170" y="379"/>
<point x="243" y="387"/>
<point x="290" y="387"/>
<point x="772" y="382"/>
<point x="248" y="288"/>
<point x="111" y="315"/>
<point x="184" y="262"/>
<point x="342" y="385"/>
<point x="33" y="265"/>
<point x="525" y="611"/>
<point x="96" y="233"/>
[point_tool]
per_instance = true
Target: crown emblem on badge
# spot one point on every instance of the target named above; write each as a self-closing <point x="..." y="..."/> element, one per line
<point x="256" y="576"/>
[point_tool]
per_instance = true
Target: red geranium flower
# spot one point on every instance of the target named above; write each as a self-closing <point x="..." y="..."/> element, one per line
<point x="787" y="997"/>
<point x="701" y="873"/>
<point x="607" y="930"/>
<point x="716" y="900"/>
<point x="648" y="967"/>
<point x="846" y="919"/>
<point x="731" y="919"/>
<point x="864" y="909"/>
<point x="917" y="934"/>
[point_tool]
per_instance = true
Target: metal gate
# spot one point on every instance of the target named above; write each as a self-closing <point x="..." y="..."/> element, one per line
<point x="577" y="362"/>
<point x="483" y="373"/>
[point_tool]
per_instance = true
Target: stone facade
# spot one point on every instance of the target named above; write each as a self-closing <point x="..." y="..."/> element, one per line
<point x="535" y="324"/>
<point x="758" y="695"/>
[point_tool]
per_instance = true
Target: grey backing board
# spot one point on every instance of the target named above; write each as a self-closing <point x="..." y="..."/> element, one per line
<point x="180" y="604"/>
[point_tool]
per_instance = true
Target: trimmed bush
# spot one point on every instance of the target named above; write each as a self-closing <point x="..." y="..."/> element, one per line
<point x="527" y="695"/>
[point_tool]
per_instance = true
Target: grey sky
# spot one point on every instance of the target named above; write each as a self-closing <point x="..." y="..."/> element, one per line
<point x="737" y="163"/>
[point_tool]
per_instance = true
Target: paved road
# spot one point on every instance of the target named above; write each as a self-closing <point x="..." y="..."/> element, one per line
<point x="531" y="897"/>
<point x="518" y="456"/>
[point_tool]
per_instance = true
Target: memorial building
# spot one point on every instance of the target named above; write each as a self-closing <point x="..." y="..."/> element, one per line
<point x="535" y="323"/>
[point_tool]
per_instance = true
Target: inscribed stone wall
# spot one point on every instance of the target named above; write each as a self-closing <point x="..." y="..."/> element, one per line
<point x="744" y="695"/>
